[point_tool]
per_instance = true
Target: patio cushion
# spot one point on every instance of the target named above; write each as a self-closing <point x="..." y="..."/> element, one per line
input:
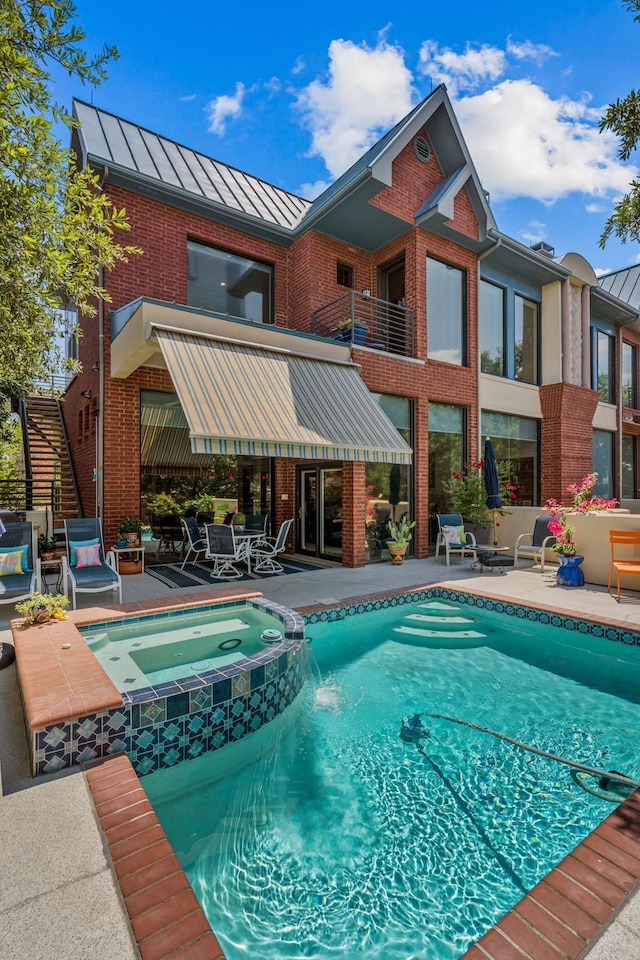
<point x="453" y="536"/>
<point x="93" y="576"/>
<point x="12" y="561"/>
<point x="18" y="585"/>
<point x="74" y="544"/>
<point x="88" y="556"/>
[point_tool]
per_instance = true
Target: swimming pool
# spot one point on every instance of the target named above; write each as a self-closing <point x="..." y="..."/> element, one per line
<point x="338" y="838"/>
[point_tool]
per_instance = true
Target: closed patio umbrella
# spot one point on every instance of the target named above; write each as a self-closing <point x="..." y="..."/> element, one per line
<point x="394" y="488"/>
<point x="491" y="482"/>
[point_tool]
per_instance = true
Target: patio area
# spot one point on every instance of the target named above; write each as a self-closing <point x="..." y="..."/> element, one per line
<point x="58" y="892"/>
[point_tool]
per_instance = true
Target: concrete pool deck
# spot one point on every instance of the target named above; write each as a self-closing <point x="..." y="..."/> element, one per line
<point x="59" y="897"/>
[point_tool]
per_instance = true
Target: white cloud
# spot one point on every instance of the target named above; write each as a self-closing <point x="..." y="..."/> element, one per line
<point x="224" y="107"/>
<point x="367" y="91"/>
<point x="188" y="98"/>
<point x="538" y="52"/>
<point x="461" y="70"/>
<point x="534" y="231"/>
<point x="312" y="190"/>
<point x="595" y="208"/>
<point x="526" y="144"/>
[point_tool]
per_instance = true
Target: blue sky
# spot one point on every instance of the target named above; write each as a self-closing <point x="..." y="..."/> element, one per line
<point x="295" y="93"/>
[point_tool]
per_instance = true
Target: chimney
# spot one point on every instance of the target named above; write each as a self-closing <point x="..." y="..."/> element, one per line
<point x="544" y="248"/>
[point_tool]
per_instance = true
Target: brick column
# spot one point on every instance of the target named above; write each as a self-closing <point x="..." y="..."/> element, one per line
<point x="567" y="436"/>
<point x="353" y="514"/>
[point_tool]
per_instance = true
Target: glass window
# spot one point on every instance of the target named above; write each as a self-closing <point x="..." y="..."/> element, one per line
<point x="629" y="377"/>
<point x="629" y="460"/>
<point x="446" y="450"/>
<point x="388" y="486"/>
<point x="602" y="360"/>
<point x="603" y="463"/>
<point x="517" y="441"/>
<point x="525" y="340"/>
<point x="446" y="312"/>
<point x="228" y="284"/>
<point x="344" y="275"/>
<point x="492" y="329"/>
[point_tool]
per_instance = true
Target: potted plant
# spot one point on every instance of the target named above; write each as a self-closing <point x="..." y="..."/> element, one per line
<point x="42" y="607"/>
<point x="130" y="529"/>
<point x="569" y="573"/>
<point x="239" y="521"/>
<point x="352" y="330"/>
<point x="468" y="496"/>
<point x="46" y="547"/>
<point x="400" y="533"/>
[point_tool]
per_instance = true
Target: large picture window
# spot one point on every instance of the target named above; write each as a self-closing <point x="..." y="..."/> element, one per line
<point x="509" y="334"/>
<point x="388" y="486"/>
<point x="446" y="450"/>
<point x="629" y="376"/>
<point x="603" y="364"/>
<point x="446" y="312"/>
<point x="492" y="329"/>
<point x="228" y="284"/>
<point x="629" y="461"/>
<point x="516" y="440"/>
<point x="603" y="463"/>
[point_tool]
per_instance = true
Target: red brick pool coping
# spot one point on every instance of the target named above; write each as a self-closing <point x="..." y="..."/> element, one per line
<point x="559" y="919"/>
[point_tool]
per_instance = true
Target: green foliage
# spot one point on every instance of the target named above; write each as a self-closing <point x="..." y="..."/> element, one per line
<point x="239" y="519"/>
<point x="11" y="454"/>
<point x="46" y="543"/>
<point x="400" y="531"/>
<point x="130" y="525"/>
<point x="164" y="505"/>
<point x="42" y="607"/>
<point x="623" y="119"/>
<point x="57" y="226"/>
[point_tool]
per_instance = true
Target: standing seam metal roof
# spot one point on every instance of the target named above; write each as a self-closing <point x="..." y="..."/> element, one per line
<point x="120" y="143"/>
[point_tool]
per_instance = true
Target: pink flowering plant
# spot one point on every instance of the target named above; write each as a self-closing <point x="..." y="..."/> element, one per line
<point x="583" y="501"/>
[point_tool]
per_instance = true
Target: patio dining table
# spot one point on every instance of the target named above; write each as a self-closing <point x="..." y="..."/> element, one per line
<point x="245" y="539"/>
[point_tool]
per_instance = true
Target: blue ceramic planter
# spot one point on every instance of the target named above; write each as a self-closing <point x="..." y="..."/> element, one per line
<point x="569" y="573"/>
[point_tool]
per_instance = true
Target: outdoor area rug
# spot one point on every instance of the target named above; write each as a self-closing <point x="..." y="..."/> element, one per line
<point x="199" y="574"/>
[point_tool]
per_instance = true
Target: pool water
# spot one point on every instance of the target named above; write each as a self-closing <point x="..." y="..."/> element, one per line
<point x="338" y="839"/>
<point x="149" y="651"/>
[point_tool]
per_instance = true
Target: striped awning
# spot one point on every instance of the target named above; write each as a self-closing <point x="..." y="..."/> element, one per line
<point x="263" y="401"/>
<point x="165" y="444"/>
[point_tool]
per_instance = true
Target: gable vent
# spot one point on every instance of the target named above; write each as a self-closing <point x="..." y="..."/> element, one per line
<point x="422" y="149"/>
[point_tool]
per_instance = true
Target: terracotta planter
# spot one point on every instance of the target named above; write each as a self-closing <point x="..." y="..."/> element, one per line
<point x="130" y="566"/>
<point x="132" y="539"/>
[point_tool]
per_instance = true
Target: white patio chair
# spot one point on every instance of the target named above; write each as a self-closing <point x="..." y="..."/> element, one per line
<point x="196" y="543"/>
<point x="223" y="550"/>
<point x="86" y="568"/>
<point x="452" y="536"/>
<point x="22" y="576"/>
<point x="264" y="552"/>
<point x="532" y="546"/>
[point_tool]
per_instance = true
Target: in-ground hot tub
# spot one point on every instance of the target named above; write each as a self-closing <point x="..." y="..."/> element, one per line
<point x="190" y="700"/>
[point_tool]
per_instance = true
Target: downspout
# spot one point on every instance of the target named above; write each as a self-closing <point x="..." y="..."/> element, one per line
<point x="101" y="380"/>
<point x="566" y="330"/>
<point x="481" y="256"/>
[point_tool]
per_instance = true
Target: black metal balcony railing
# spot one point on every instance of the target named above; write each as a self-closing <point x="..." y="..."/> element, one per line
<point x="359" y="319"/>
<point x="20" y="495"/>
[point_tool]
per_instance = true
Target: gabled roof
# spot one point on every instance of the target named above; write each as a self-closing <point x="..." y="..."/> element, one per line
<point x="152" y="164"/>
<point x="155" y="166"/>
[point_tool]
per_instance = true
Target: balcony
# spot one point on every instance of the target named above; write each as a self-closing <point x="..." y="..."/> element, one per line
<point x="373" y="323"/>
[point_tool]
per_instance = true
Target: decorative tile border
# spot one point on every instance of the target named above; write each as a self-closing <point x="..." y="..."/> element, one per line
<point x="162" y="725"/>
<point x="586" y="627"/>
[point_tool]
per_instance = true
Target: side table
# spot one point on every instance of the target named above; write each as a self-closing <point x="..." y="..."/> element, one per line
<point x="128" y="555"/>
<point x="51" y="575"/>
<point x="492" y="557"/>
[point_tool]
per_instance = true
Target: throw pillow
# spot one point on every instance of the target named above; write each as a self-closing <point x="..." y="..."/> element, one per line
<point x="11" y="563"/>
<point x="74" y="544"/>
<point x="454" y="536"/>
<point x="88" y="556"/>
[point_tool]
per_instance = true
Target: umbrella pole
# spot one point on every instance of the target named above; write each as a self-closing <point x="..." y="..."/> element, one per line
<point x="495" y="539"/>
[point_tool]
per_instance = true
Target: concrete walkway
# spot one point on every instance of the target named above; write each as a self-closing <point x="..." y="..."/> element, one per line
<point x="58" y="897"/>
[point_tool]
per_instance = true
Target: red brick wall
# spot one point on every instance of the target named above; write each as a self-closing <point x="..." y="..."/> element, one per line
<point x="567" y="436"/>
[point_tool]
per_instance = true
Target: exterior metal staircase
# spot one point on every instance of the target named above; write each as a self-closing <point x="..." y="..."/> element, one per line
<point x="48" y="459"/>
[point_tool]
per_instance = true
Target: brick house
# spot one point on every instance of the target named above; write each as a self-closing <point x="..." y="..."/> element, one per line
<point x="230" y="344"/>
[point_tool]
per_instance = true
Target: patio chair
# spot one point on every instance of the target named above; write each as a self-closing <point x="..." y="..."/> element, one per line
<point x="452" y="536"/>
<point x="86" y="568"/>
<point x="257" y="521"/>
<point x="19" y="565"/>
<point x="538" y="541"/>
<point x="629" y="563"/>
<point x="265" y="551"/>
<point x="223" y="550"/>
<point x="196" y="543"/>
